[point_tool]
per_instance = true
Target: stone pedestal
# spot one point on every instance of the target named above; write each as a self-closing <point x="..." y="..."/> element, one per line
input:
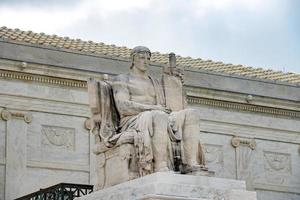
<point x="170" y="186"/>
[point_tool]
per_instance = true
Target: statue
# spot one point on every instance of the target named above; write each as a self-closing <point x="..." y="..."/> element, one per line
<point x="151" y="113"/>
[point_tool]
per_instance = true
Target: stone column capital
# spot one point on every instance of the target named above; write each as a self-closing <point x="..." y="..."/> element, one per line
<point x="7" y="115"/>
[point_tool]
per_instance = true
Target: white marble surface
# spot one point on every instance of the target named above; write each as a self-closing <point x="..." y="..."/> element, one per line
<point x="2" y="181"/>
<point x="15" y="157"/>
<point x="172" y="186"/>
<point x="58" y="139"/>
<point x="67" y="108"/>
<point x="2" y="140"/>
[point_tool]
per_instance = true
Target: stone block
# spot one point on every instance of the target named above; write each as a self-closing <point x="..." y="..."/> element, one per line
<point x="172" y="186"/>
<point x="121" y="156"/>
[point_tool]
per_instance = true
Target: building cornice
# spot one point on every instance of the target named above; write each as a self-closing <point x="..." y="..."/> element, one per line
<point x="206" y="100"/>
<point x="275" y="112"/>
<point x="5" y="74"/>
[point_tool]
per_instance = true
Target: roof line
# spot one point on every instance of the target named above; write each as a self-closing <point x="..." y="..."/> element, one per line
<point x="113" y="51"/>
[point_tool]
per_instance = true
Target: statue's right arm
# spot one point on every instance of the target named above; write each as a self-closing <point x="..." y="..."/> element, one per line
<point x="125" y="106"/>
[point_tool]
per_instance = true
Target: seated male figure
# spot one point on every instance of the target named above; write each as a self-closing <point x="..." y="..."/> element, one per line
<point x="141" y="104"/>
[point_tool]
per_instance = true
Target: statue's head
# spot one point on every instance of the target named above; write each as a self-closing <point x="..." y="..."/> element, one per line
<point x="140" y="58"/>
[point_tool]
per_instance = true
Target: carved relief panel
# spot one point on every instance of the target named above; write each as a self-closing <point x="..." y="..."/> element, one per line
<point x="277" y="167"/>
<point x="60" y="138"/>
<point x="214" y="157"/>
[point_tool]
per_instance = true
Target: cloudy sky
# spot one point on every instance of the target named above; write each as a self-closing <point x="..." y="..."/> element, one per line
<point x="259" y="33"/>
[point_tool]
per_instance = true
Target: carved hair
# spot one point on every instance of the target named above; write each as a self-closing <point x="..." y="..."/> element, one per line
<point x="137" y="50"/>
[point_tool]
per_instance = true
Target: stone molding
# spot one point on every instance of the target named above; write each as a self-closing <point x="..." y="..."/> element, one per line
<point x="42" y="79"/>
<point x="58" y="166"/>
<point x="244" y="107"/>
<point x="19" y="102"/>
<point x="6" y="74"/>
<point x="244" y="98"/>
<point x="7" y="115"/>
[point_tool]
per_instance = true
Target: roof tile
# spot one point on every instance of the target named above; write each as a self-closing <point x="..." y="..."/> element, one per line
<point x="112" y="50"/>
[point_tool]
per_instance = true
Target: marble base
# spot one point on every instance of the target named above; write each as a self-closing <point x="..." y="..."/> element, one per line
<point x="171" y="186"/>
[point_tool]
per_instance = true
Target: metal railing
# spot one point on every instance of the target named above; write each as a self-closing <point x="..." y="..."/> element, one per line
<point x="61" y="191"/>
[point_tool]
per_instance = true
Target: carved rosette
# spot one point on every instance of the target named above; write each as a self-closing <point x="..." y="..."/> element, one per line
<point x="235" y="142"/>
<point x="7" y="115"/>
<point x="28" y="118"/>
<point x="88" y="124"/>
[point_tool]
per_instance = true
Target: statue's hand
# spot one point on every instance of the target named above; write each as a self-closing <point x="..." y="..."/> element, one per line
<point x="162" y="108"/>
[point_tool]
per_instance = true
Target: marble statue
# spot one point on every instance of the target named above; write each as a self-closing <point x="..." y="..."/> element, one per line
<point x="150" y="115"/>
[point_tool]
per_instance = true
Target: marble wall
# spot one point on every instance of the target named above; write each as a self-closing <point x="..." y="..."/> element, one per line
<point x="43" y="140"/>
<point x="261" y="149"/>
<point x="55" y="147"/>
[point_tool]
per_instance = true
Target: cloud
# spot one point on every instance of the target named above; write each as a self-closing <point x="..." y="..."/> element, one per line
<point x="53" y="17"/>
<point x="250" y="32"/>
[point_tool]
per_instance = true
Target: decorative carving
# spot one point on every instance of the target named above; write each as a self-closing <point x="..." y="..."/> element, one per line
<point x="7" y="115"/>
<point x="23" y="65"/>
<point x="244" y="107"/>
<point x="27" y="118"/>
<point x="88" y="124"/>
<point x="236" y="141"/>
<point x="213" y="154"/>
<point x="244" y="148"/>
<point x="149" y="114"/>
<point x="244" y="159"/>
<point x="190" y="99"/>
<point x="58" y="137"/>
<point x="214" y="158"/>
<point x="277" y="166"/>
<point x="249" y="98"/>
<point x="42" y="79"/>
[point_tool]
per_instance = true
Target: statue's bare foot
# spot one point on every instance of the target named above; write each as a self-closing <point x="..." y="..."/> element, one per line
<point x="195" y="170"/>
<point x="186" y="169"/>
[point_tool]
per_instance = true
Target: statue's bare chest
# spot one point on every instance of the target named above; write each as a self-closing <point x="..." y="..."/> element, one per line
<point x="141" y="90"/>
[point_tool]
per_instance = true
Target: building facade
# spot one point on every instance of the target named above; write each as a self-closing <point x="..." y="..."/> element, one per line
<point x="250" y="118"/>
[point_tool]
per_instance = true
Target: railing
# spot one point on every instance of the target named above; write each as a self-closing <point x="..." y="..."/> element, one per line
<point x="62" y="191"/>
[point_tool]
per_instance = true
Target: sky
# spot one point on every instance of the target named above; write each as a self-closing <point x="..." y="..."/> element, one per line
<point x="258" y="33"/>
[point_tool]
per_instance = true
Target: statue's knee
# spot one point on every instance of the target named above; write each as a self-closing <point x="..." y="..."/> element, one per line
<point x="160" y="119"/>
<point x="160" y="115"/>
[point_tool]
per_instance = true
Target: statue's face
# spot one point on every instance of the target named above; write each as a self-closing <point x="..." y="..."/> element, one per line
<point x="142" y="60"/>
